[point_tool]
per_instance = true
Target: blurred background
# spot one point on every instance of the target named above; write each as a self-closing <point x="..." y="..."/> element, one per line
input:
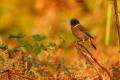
<point x="52" y="18"/>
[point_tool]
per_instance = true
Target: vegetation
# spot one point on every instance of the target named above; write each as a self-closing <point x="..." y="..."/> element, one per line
<point x="36" y="42"/>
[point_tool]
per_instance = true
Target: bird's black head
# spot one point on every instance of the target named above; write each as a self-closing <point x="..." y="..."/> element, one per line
<point x="74" y="22"/>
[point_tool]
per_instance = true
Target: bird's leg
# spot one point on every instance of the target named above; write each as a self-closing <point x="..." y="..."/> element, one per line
<point x="80" y="42"/>
<point x="76" y="44"/>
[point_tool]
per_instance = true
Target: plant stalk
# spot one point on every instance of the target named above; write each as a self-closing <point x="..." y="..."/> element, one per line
<point x="117" y="21"/>
<point x="108" y="23"/>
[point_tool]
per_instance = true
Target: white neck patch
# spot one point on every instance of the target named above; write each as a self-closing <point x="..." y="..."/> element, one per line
<point x="76" y="25"/>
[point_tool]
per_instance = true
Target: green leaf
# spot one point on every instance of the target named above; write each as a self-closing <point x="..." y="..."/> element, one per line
<point x="39" y="37"/>
<point x="52" y="44"/>
<point x="19" y="40"/>
<point x="20" y="35"/>
<point x="15" y="50"/>
<point x="43" y="47"/>
<point x="36" y="49"/>
<point x="4" y="47"/>
<point x="1" y="60"/>
<point x="27" y="45"/>
<point x="62" y="46"/>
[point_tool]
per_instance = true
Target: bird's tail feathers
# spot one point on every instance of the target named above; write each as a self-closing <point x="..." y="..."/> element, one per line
<point x="92" y="44"/>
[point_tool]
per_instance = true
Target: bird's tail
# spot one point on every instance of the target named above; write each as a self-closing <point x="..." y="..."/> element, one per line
<point x="92" y="44"/>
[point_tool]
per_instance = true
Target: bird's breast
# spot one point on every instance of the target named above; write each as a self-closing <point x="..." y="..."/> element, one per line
<point x="79" y="34"/>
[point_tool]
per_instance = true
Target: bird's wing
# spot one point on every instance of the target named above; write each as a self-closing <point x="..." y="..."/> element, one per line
<point x="85" y="31"/>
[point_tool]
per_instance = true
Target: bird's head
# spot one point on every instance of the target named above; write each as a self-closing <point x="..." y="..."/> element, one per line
<point x="74" y="22"/>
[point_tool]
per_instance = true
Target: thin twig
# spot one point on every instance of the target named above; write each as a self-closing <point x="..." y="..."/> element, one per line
<point x="103" y="68"/>
<point x="96" y="68"/>
<point x="117" y="20"/>
<point x="8" y="71"/>
<point x="89" y="60"/>
<point x="9" y="76"/>
<point x="93" y="59"/>
<point x="22" y="76"/>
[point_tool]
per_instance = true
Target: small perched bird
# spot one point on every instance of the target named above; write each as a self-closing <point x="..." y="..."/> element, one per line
<point x="80" y="32"/>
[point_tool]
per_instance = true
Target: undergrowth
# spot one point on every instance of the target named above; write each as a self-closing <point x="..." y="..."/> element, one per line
<point x="22" y="61"/>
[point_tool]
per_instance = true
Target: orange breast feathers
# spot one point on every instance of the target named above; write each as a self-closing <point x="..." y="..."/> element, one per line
<point x="79" y="34"/>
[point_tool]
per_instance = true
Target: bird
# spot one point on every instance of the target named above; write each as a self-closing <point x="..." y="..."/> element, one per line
<point x="80" y="32"/>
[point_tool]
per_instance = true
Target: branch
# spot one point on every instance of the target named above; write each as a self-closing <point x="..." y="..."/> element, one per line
<point x="103" y="68"/>
<point x="9" y="77"/>
<point x="90" y="58"/>
<point x="117" y="20"/>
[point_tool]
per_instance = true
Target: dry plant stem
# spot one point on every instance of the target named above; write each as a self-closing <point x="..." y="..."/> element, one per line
<point x="93" y="59"/>
<point x="22" y="76"/>
<point x="96" y="68"/>
<point x="108" y="23"/>
<point x="103" y="68"/>
<point x="117" y="20"/>
<point x="117" y="25"/>
<point x="89" y="60"/>
<point x="9" y="77"/>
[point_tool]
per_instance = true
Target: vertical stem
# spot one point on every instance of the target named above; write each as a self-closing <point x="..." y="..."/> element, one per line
<point x="117" y="24"/>
<point x="108" y="24"/>
<point x="117" y="20"/>
<point x="118" y="8"/>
